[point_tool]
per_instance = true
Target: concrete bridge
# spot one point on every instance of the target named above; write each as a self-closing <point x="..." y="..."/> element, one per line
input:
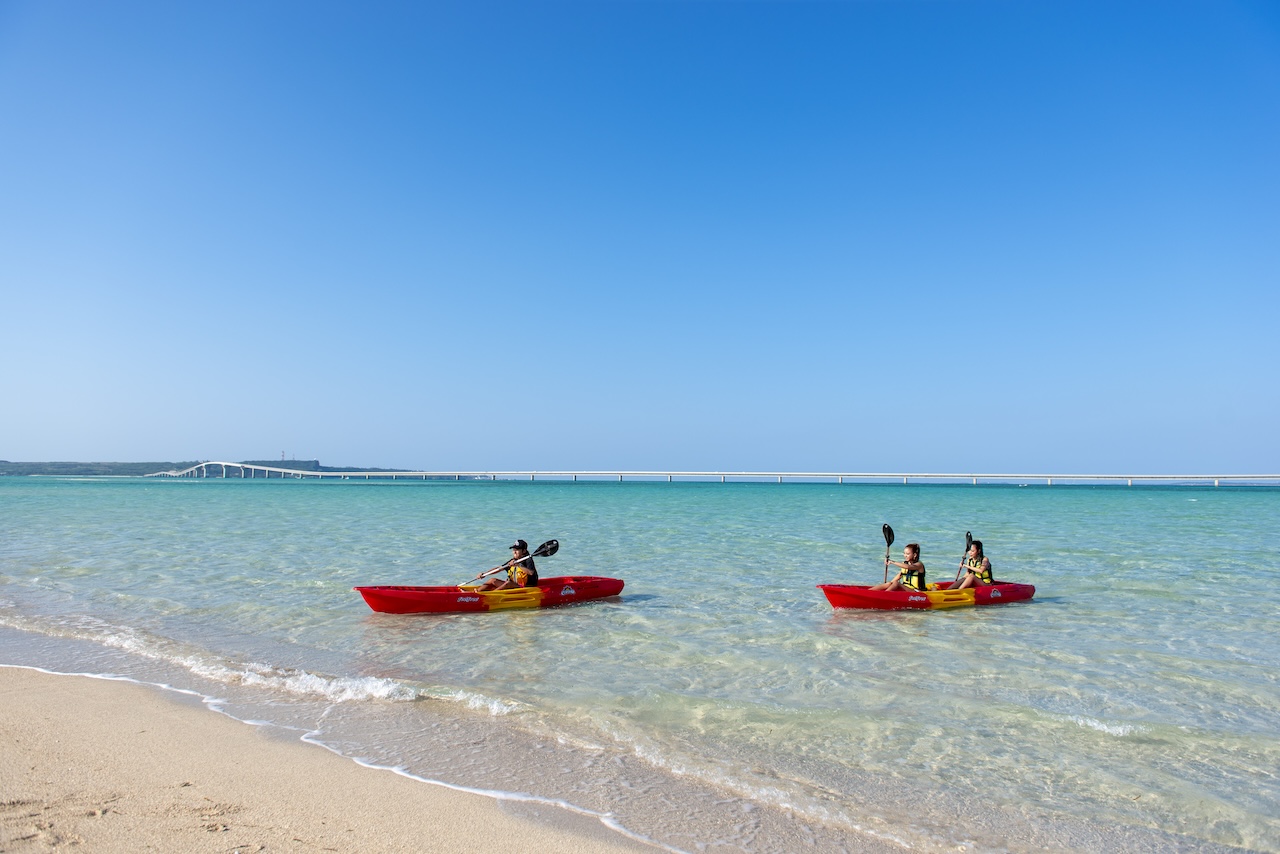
<point x="220" y="469"/>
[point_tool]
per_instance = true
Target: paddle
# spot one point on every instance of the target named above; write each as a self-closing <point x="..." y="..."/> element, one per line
<point x="547" y="549"/>
<point x="968" y="543"/>
<point x="888" y="541"/>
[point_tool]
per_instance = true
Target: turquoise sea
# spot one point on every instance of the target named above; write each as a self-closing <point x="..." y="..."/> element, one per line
<point x="719" y="704"/>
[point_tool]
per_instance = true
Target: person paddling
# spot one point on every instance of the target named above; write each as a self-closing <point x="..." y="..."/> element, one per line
<point x="520" y="570"/>
<point x="911" y="571"/>
<point x="976" y="566"/>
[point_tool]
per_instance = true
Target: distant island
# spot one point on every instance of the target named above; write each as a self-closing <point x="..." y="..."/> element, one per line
<point x="139" y="469"/>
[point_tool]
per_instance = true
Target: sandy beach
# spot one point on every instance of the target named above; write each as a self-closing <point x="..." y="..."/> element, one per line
<point x="116" y="766"/>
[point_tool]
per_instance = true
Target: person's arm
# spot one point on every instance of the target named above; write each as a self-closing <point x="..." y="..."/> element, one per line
<point x="496" y="570"/>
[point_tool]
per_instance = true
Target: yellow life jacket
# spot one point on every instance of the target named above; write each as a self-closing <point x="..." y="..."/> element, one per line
<point x="913" y="578"/>
<point x="974" y="566"/>
<point x="523" y="573"/>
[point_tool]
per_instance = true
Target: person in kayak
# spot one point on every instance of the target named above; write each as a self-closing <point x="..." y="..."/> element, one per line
<point x="520" y="570"/>
<point x="977" y="568"/>
<point x="910" y="572"/>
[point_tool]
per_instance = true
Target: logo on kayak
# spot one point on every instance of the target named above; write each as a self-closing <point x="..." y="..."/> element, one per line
<point x="468" y="598"/>
<point x="995" y="594"/>
<point x="917" y="598"/>
<point x="566" y="591"/>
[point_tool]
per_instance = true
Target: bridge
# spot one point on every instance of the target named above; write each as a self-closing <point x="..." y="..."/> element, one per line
<point x="220" y="469"/>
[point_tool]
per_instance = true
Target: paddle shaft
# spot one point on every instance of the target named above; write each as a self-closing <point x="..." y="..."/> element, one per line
<point x="497" y="569"/>
<point x="888" y="541"/>
<point x="968" y="543"/>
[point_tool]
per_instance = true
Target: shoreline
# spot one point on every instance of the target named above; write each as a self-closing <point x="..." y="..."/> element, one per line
<point x="589" y="822"/>
<point x="118" y="765"/>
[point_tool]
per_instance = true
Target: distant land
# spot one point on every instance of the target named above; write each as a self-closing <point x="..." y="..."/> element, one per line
<point x="139" y="469"/>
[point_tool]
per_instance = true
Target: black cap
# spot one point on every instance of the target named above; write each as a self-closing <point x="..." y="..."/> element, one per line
<point x="519" y="544"/>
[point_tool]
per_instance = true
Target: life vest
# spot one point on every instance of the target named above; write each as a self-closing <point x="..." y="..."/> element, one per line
<point x="523" y="574"/>
<point x="974" y="566"/>
<point x="913" y="578"/>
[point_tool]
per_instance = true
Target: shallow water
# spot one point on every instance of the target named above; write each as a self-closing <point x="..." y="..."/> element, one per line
<point x="720" y="703"/>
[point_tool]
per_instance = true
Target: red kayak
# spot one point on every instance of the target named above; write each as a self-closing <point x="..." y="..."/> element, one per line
<point x="862" y="596"/>
<point x="565" y="590"/>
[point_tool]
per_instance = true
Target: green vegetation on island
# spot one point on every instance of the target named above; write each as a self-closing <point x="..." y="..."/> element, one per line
<point x="8" y="468"/>
<point x="71" y="469"/>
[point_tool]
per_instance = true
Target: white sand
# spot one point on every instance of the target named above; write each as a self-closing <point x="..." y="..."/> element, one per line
<point x="114" y="766"/>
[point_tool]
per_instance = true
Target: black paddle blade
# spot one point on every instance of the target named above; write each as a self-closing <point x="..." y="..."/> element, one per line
<point x="547" y="549"/>
<point x="888" y="535"/>
<point x="968" y="541"/>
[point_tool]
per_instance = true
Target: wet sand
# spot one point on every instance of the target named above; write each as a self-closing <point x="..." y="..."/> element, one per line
<point x="117" y="766"/>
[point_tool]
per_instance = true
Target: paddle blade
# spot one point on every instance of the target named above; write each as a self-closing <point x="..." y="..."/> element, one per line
<point x="547" y="549"/>
<point x="888" y="535"/>
<point x="968" y="541"/>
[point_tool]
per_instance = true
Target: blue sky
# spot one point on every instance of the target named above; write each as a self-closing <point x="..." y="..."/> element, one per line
<point x="859" y="236"/>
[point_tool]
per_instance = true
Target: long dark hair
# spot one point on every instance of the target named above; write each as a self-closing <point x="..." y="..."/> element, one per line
<point x="915" y="547"/>
<point x="977" y="544"/>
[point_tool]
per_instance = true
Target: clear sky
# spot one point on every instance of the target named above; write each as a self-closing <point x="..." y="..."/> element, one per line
<point x="846" y="236"/>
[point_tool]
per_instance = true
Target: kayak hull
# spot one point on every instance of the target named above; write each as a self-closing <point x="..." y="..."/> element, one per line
<point x="862" y="596"/>
<point x="550" y="592"/>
